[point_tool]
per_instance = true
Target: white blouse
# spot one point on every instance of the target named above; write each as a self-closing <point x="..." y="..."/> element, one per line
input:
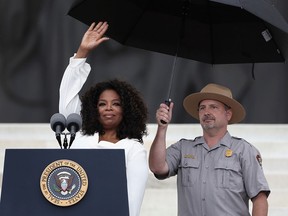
<point x="73" y="79"/>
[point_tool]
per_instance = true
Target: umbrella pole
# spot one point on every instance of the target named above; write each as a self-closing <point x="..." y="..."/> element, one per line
<point x="186" y="8"/>
<point x="168" y="99"/>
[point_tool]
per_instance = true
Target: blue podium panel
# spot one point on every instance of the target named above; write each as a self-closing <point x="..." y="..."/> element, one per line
<point x="106" y="194"/>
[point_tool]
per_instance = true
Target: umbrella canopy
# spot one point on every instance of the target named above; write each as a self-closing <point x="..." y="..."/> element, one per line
<point x="269" y="10"/>
<point x="201" y="30"/>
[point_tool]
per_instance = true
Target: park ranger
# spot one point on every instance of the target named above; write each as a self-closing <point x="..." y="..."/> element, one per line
<point x="217" y="174"/>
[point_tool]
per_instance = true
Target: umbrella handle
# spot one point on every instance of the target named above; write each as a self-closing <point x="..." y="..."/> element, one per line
<point x="167" y="102"/>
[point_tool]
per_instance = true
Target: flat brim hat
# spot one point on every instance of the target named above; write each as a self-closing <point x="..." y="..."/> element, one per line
<point x="214" y="92"/>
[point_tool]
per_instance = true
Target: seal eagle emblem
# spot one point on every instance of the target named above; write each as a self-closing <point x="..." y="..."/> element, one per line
<point x="64" y="182"/>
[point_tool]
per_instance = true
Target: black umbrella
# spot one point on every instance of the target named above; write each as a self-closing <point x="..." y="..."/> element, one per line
<point x="201" y="30"/>
<point x="273" y="12"/>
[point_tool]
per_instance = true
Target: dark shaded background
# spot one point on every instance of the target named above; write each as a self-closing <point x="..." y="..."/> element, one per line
<point x="37" y="37"/>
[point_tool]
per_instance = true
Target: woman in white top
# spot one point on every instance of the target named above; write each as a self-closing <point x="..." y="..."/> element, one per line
<point x="113" y="113"/>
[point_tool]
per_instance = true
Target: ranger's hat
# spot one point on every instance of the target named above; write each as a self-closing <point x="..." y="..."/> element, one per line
<point x="214" y="92"/>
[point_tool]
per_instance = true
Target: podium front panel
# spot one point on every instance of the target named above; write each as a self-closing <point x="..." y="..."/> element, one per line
<point x="107" y="184"/>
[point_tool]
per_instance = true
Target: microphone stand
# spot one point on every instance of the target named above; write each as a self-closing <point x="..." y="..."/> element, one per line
<point x="72" y="137"/>
<point x="58" y="137"/>
<point x="65" y="140"/>
<point x="65" y="143"/>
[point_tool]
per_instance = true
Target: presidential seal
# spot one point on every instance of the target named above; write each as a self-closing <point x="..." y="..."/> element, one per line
<point x="64" y="183"/>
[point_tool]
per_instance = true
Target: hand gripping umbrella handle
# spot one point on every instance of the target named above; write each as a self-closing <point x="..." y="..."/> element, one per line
<point x="167" y="102"/>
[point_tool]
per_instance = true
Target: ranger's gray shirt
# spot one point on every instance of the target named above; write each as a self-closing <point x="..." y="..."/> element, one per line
<point x="218" y="181"/>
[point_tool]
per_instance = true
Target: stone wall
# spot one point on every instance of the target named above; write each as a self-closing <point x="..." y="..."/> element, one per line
<point x="160" y="196"/>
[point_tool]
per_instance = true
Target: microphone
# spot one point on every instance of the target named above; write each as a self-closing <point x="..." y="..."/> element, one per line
<point x="58" y="124"/>
<point x="74" y="123"/>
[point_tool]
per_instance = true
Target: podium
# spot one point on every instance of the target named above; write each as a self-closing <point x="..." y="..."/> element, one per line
<point x="106" y="193"/>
